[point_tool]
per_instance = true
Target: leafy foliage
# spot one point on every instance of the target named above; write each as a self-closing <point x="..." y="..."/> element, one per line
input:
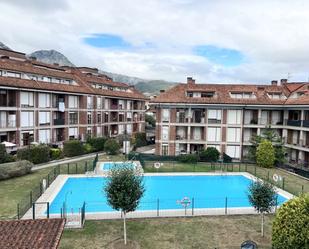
<point x="211" y="154"/>
<point x="73" y="148"/>
<point x="112" y="147"/>
<point x="97" y="143"/>
<point x="140" y="139"/>
<point x="56" y="154"/>
<point x="124" y="189"/>
<point x="150" y="120"/>
<point x="35" y="154"/>
<point x="189" y="158"/>
<point x="277" y="142"/>
<point x="14" y="169"/>
<point x="227" y="158"/>
<point x="265" y="154"/>
<point x="4" y="156"/>
<point x="291" y="224"/>
<point x="88" y="148"/>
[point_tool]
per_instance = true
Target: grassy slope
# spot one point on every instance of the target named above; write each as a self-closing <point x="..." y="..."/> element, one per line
<point x="224" y="232"/>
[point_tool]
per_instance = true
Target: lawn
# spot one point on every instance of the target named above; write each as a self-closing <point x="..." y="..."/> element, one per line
<point x="221" y="232"/>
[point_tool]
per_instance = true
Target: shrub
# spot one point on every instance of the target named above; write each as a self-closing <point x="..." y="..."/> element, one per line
<point x="97" y="143"/>
<point x="150" y="120"/>
<point x="227" y="158"/>
<point x="4" y="156"/>
<point x="73" y="148"/>
<point x="19" y="168"/>
<point x="35" y="154"/>
<point x="56" y="154"/>
<point x="291" y="224"/>
<point x="112" y="147"/>
<point x="140" y="139"/>
<point x="190" y="158"/>
<point x="265" y="154"/>
<point x="88" y="148"/>
<point x="211" y="154"/>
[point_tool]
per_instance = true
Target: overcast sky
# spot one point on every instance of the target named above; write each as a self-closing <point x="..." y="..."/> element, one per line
<point x="213" y="41"/>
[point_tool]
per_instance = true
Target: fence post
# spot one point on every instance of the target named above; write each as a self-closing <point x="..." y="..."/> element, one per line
<point x="225" y="205"/>
<point x="283" y="182"/>
<point x="30" y="199"/>
<point x="75" y="168"/>
<point x="255" y="170"/>
<point x="192" y="206"/>
<point x="18" y="211"/>
<point x="302" y="189"/>
<point x="47" y="210"/>
<point x="68" y="168"/>
<point x="33" y="211"/>
<point x="158" y="206"/>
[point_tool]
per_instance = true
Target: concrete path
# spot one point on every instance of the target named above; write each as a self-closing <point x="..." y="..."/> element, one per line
<point x="65" y="160"/>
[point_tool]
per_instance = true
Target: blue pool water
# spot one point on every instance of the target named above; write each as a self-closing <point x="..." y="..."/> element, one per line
<point x="110" y="165"/>
<point x="207" y="191"/>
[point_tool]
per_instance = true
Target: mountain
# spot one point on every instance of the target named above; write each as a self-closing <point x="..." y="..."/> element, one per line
<point x="4" y="46"/>
<point x="51" y="56"/>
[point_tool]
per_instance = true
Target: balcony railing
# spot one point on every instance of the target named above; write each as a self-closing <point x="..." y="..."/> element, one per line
<point x="306" y="123"/>
<point x="59" y="121"/>
<point x="214" y="121"/>
<point x="114" y="107"/>
<point x="293" y="122"/>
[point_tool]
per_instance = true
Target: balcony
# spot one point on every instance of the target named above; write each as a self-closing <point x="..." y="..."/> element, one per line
<point x="293" y="122"/>
<point x="114" y="107"/>
<point x="59" y="121"/>
<point x="306" y="123"/>
<point x="7" y="124"/>
<point x="214" y="121"/>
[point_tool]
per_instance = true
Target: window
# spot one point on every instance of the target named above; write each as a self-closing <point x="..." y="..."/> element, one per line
<point x="99" y="131"/>
<point x="73" y="101"/>
<point x="264" y="117"/>
<point x="121" y="129"/>
<point x="165" y="133"/>
<point x="44" y="118"/>
<point x="89" y="102"/>
<point x="44" y="100"/>
<point x="26" y="119"/>
<point x="165" y="115"/>
<point x="99" y="118"/>
<point x="129" y="104"/>
<point x="129" y="128"/>
<point x="233" y="135"/>
<point x="73" y="133"/>
<point x="89" y="131"/>
<point x="214" y="134"/>
<point x="214" y="116"/>
<point x="242" y="95"/>
<point x="99" y="103"/>
<point x="13" y="74"/>
<point x="44" y="136"/>
<point x="164" y="149"/>
<point x="121" y="104"/>
<point x="73" y="118"/>
<point x="274" y="95"/>
<point x="234" y="116"/>
<point x="89" y="117"/>
<point x="207" y="94"/>
<point x="106" y="104"/>
<point x="190" y="94"/>
<point x="233" y="151"/>
<point x="26" y="99"/>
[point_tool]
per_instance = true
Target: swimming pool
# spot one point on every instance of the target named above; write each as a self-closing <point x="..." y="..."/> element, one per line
<point x="105" y="166"/>
<point x="207" y="191"/>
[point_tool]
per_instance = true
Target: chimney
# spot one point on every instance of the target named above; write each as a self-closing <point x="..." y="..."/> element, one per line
<point x="190" y="81"/>
<point x="274" y="82"/>
<point x="56" y="64"/>
<point x="162" y="91"/>
<point x="33" y="58"/>
<point x="283" y="81"/>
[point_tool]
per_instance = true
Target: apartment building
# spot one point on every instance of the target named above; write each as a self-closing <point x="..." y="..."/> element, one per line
<point x="191" y="117"/>
<point x="49" y="104"/>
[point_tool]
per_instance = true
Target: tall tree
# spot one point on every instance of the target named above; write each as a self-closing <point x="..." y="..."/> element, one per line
<point x="265" y="154"/>
<point x="124" y="189"/>
<point x="262" y="196"/>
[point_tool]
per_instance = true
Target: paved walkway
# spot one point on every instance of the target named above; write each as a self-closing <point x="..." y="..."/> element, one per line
<point x="65" y="160"/>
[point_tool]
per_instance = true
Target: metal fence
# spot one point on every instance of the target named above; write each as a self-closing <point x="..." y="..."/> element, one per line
<point x="70" y="168"/>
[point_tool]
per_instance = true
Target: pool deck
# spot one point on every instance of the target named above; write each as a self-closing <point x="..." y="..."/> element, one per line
<point x="50" y="194"/>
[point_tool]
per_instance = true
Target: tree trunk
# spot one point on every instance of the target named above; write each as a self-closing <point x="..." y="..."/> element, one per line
<point x="124" y="228"/>
<point x="262" y="227"/>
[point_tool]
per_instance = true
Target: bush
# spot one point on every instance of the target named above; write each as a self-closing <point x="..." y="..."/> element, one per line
<point x="97" y="143"/>
<point x="19" y="168"/>
<point x="88" y="148"/>
<point x="265" y="154"/>
<point x="140" y="139"/>
<point x="190" y="158"/>
<point x="73" y="148"/>
<point x="211" y="154"/>
<point x="291" y="224"/>
<point x="150" y="120"/>
<point x="56" y="154"/>
<point x="227" y="158"/>
<point x="112" y="147"/>
<point x="35" y="154"/>
<point x="4" y="156"/>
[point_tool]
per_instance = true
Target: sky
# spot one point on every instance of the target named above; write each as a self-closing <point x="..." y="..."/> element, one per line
<point x="214" y="41"/>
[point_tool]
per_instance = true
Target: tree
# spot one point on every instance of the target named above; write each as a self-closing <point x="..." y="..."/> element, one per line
<point x="112" y="147"/>
<point x="277" y="142"/>
<point x="150" y="120"/>
<point x="4" y="156"/>
<point x="227" y="158"/>
<point x="263" y="197"/>
<point x="124" y="189"/>
<point x="291" y="224"/>
<point x="265" y="154"/>
<point x="140" y="139"/>
<point x="73" y="148"/>
<point x="211" y="154"/>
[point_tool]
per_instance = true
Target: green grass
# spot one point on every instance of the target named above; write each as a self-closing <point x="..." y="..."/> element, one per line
<point x="224" y="232"/>
<point x="291" y="183"/>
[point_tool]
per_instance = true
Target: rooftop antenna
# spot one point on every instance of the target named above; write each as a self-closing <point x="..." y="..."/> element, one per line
<point x="289" y="76"/>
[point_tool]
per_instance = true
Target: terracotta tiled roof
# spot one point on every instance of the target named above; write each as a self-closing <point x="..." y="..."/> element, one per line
<point x="178" y="94"/>
<point x="6" y="52"/>
<point x="31" y="234"/>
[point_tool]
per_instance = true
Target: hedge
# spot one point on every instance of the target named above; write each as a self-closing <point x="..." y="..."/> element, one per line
<point x="73" y="148"/>
<point x="111" y="147"/>
<point x="35" y="154"/>
<point x="19" y="168"/>
<point x="97" y="143"/>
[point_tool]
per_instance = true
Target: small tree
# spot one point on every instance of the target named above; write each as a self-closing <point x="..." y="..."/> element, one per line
<point x="291" y="224"/>
<point x="124" y="189"/>
<point x="265" y="154"/>
<point x="263" y="197"/>
<point x="140" y="139"/>
<point x="150" y="120"/>
<point x="112" y="147"/>
<point x="227" y="158"/>
<point x="211" y="154"/>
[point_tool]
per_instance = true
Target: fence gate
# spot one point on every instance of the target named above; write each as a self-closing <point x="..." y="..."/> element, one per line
<point x="40" y="210"/>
